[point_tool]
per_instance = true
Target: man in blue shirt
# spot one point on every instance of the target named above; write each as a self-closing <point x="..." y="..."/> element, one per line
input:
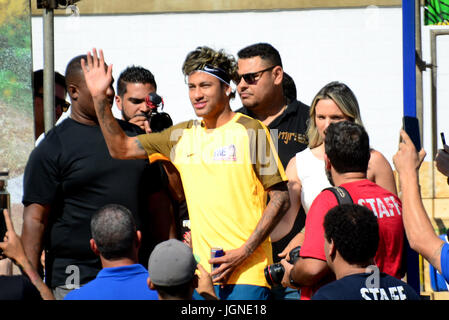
<point x="419" y="229"/>
<point x="351" y="238"/>
<point x="116" y="241"/>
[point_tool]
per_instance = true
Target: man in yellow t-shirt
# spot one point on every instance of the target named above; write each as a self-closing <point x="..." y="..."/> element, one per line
<point x="228" y="166"/>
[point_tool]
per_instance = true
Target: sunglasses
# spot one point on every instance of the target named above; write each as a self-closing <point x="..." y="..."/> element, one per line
<point x="253" y="77"/>
<point x="58" y="102"/>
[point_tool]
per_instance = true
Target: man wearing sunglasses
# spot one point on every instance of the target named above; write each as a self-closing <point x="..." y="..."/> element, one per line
<point x="261" y="89"/>
<point x="264" y="91"/>
<point x="61" y="105"/>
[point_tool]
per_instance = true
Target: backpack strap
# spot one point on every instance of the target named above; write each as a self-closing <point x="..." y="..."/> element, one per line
<point x="342" y="195"/>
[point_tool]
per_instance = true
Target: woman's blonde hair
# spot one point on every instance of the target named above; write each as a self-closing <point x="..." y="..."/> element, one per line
<point x="344" y="98"/>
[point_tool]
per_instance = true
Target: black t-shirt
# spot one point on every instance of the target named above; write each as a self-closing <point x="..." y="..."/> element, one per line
<point x="291" y="136"/>
<point x="291" y="128"/>
<point x="362" y="286"/>
<point x="72" y="170"/>
<point x="18" y="287"/>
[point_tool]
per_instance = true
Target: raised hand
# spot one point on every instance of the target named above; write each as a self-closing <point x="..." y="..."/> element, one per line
<point x="407" y="159"/>
<point x="97" y="74"/>
<point x="12" y="245"/>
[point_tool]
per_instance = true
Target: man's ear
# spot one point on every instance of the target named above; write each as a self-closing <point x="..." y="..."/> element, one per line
<point x="150" y="284"/>
<point x="72" y="90"/>
<point x="93" y="247"/>
<point x="118" y="101"/>
<point x="138" y="238"/>
<point x="332" y="251"/>
<point x="278" y="73"/>
<point x="327" y="162"/>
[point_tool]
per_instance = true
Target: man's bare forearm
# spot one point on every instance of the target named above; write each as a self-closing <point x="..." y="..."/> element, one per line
<point x="119" y="144"/>
<point x="309" y="271"/>
<point x="35" y="279"/>
<point x="419" y="229"/>
<point x="273" y="213"/>
<point x="34" y="223"/>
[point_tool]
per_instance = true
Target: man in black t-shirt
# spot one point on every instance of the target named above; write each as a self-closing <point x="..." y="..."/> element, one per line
<point x="351" y="235"/>
<point x="269" y="95"/>
<point x="68" y="177"/>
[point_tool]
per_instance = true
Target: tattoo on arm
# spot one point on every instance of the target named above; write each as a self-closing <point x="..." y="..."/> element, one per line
<point x="276" y="208"/>
<point x="139" y="145"/>
<point x="109" y="122"/>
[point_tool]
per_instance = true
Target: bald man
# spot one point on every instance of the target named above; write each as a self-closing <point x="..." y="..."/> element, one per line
<point x="68" y="177"/>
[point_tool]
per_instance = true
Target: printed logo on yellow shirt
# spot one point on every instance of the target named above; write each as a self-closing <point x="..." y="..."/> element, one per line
<point x="227" y="153"/>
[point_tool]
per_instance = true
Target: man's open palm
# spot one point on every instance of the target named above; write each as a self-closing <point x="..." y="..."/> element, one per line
<point x="98" y="76"/>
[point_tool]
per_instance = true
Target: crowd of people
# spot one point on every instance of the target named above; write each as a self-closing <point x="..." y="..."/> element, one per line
<point x="105" y="199"/>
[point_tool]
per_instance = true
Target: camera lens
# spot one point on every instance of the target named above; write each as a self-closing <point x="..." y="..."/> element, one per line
<point x="274" y="273"/>
<point x="160" y="121"/>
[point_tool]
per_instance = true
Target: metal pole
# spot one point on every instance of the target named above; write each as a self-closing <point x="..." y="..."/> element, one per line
<point x="419" y="83"/>
<point x="419" y="103"/>
<point x="409" y="86"/>
<point x="409" y="57"/>
<point x="49" y="69"/>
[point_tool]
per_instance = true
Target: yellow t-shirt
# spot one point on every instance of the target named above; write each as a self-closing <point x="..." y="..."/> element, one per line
<point x="225" y="173"/>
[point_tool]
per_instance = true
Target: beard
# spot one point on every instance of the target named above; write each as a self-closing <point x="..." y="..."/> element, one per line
<point x="125" y="116"/>
<point x="250" y="105"/>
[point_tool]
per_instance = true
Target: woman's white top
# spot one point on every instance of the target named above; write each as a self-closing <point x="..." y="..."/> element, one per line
<point x="311" y="173"/>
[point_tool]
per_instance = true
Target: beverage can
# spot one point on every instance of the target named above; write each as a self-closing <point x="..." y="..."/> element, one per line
<point x="215" y="253"/>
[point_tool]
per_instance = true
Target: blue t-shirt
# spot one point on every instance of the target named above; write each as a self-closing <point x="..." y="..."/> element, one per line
<point x="119" y="283"/>
<point x="445" y="261"/>
<point x="363" y="286"/>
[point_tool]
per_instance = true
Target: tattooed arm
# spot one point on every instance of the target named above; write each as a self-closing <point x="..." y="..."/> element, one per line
<point x="98" y="78"/>
<point x="275" y="209"/>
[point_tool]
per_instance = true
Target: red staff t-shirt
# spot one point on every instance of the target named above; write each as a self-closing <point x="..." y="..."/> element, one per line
<point x="385" y="205"/>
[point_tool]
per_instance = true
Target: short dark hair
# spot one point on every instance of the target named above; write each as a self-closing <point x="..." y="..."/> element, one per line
<point x="134" y="74"/>
<point x="73" y="70"/>
<point x="355" y="232"/>
<point x="114" y="231"/>
<point x="263" y="50"/>
<point x="347" y="147"/>
<point x="38" y="80"/>
<point x="289" y="87"/>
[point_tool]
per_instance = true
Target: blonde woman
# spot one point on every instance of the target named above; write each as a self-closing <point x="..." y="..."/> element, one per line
<point x="306" y="175"/>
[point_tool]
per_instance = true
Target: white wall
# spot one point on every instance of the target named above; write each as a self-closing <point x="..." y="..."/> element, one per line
<point x="361" y="47"/>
